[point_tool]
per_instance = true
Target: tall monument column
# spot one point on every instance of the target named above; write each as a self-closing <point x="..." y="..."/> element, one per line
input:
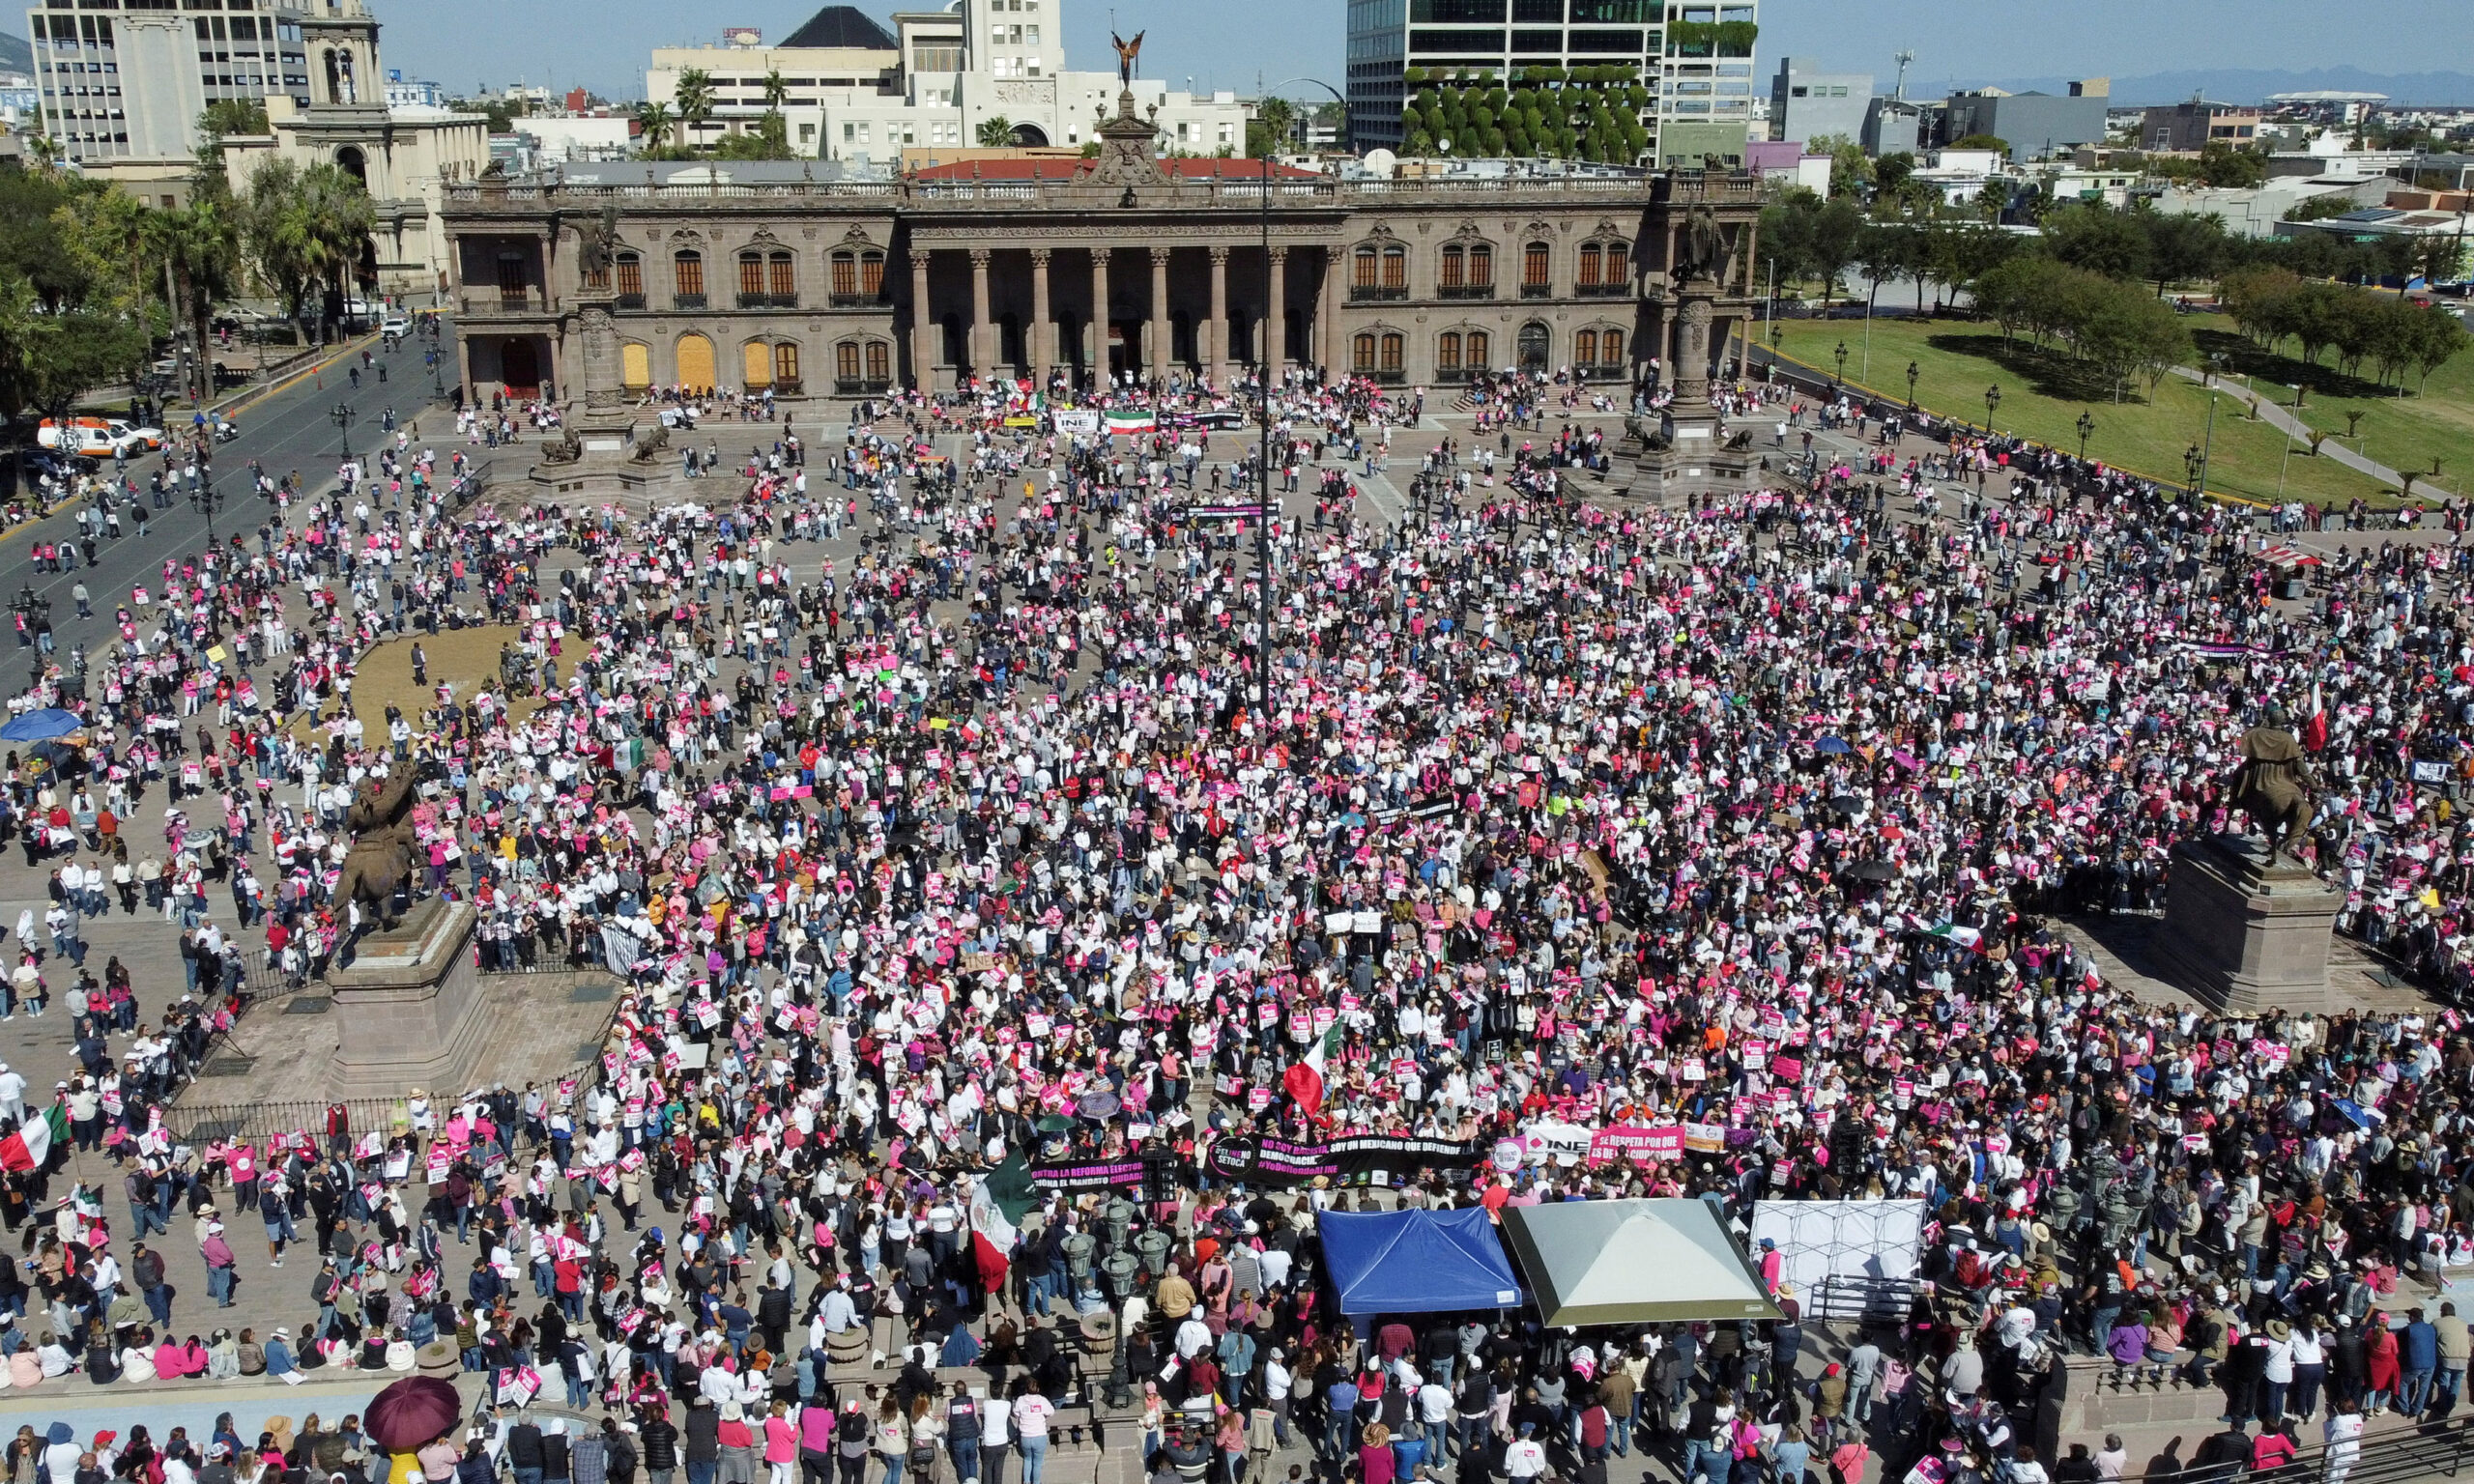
<point x="923" y="325"/>
<point x="1160" y="345"/>
<point x="1219" y="357"/>
<point x="982" y="356"/>
<point x="1041" y="329"/>
<point x="1326" y="316"/>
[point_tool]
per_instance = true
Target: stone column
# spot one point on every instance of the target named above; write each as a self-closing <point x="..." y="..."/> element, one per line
<point x="1039" y="327"/>
<point x="1751" y="258"/>
<point x="923" y="325"/>
<point x="1273" y="350"/>
<point x="982" y="360"/>
<point x="1217" y="359"/>
<point x="1326" y="316"/>
<point x="464" y="365"/>
<point x="1157" y="362"/>
<point x="1097" y="356"/>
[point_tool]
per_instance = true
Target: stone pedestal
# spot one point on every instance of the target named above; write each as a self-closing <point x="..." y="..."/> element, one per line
<point x="409" y="1009"/>
<point x="597" y="463"/>
<point x="1682" y="453"/>
<point x="2245" y="933"/>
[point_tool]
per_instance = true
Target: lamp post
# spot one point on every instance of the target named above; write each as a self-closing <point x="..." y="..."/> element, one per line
<point x="2191" y="461"/>
<point x="1992" y="400"/>
<point x="1842" y="360"/>
<point x="1913" y="372"/>
<point x="2207" y="446"/>
<point x="2086" y="424"/>
<point x="206" y="500"/>
<point x="342" y="414"/>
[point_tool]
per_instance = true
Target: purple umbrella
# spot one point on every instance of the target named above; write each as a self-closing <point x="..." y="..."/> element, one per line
<point x="413" y="1413"/>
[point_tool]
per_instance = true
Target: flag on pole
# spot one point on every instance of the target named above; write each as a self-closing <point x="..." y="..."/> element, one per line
<point x="31" y="1145"/>
<point x="2315" y="731"/>
<point x="1304" y="1079"/>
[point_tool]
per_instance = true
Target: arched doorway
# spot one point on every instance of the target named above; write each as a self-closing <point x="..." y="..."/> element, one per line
<point x="1030" y="136"/>
<point x="351" y="162"/>
<point x="695" y="363"/>
<point x="634" y="365"/>
<point x="1534" y="343"/>
<point x="757" y="365"/>
<point x="519" y="366"/>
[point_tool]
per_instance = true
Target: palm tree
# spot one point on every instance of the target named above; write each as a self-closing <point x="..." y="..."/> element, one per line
<point x="200" y="243"/>
<point x="694" y="96"/>
<point x="777" y="90"/>
<point x="656" y="122"/>
<point x="995" y="132"/>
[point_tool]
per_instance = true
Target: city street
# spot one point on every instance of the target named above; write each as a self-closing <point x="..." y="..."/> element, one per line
<point x="293" y="429"/>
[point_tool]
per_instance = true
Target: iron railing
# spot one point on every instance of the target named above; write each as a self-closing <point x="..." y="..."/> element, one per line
<point x="2431" y="1450"/>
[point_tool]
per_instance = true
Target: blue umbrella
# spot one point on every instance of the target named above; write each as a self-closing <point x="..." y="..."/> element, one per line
<point x="1832" y="745"/>
<point x="42" y="726"/>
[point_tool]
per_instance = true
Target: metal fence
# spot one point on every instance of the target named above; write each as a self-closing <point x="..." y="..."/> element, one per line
<point x="207" y="1123"/>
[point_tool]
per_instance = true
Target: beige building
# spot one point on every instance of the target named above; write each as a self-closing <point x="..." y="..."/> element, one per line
<point x="407" y="156"/>
<point x="768" y="277"/>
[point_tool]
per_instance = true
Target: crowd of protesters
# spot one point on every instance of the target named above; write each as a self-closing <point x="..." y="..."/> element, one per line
<point x="1755" y="818"/>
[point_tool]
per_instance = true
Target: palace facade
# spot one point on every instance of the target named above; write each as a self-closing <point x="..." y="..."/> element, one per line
<point x="749" y="277"/>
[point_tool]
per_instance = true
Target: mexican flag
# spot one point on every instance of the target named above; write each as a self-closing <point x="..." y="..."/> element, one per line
<point x="32" y="1144"/>
<point x="1133" y="422"/>
<point x="2314" y="728"/>
<point x="1953" y="932"/>
<point x="1003" y="1197"/>
<point x="1304" y="1079"/>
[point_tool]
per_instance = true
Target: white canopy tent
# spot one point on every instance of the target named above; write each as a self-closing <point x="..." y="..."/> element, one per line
<point x="1633" y="1262"/>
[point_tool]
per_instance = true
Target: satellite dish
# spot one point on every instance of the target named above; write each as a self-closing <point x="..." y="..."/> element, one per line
<point x="1444" y="146"/>
<point x="1381" y="164"/>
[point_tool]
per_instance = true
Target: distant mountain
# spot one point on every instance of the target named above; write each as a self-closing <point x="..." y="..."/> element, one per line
<point x="2236" y="85"/>
<point x="15" y="56"/>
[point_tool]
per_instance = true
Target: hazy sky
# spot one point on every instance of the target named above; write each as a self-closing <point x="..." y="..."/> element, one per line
<point x="604" y="43"/>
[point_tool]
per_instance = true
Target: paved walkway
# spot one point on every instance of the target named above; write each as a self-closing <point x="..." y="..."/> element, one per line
<point x="2283" y="420"/>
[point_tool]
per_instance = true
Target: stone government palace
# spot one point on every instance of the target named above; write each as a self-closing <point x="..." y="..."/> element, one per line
<point x="748" y="276"/>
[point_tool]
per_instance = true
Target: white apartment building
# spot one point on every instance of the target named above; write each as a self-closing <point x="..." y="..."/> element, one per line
<point x="854" y="90"/>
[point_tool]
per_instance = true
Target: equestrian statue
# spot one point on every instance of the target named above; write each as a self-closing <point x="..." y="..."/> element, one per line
<point x="385" y="856"/>
<point x="2274" y="787"/>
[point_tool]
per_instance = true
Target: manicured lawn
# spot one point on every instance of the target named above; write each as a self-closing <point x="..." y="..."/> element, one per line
<point x="2043" y="395"/>
<point x="2435" y="420"/>
<point x="466" y="657"/>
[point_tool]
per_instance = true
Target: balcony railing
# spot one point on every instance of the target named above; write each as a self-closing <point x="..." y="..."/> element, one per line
<point x="1537" y="290"/>
<point x="1466" y="291"/>
<point x="502" y="300"/>
<point x="768" y="300"/>
<point x="861" y="386"/>
<point x="687" y="300"/>
<point x="1368" y="293"/>
<point x="1395" y="377"/>
<point x="786" y="386"/>
<point x="631" y="300"/>
<point x="852" y="301"/>
<point x="1616" y="289"/>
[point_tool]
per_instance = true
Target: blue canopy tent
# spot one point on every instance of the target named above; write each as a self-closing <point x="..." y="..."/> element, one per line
<point x="1416" y="1262"/>
<point x="42" y="726"/>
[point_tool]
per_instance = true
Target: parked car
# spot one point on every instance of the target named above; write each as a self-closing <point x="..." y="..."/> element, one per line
<point x="396" y="325"/>
<point x="98" y="438"/>
<point x="34" y="462"/>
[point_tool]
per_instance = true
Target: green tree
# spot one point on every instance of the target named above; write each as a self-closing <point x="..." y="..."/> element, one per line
<point x="49" y="358"/>
<point x="2435" y="339"/>
<point x="1269" y="132"/>
<point x="304" y="231"/>
<point x="995" y="132"/>
<point x="693" y="97"/>
<point x="654" y="123"/>
<point x="2229" y="168"/>
<point x="1851" y="170"/>
<point x="777" y="90"/>
<point x="2095" y="236"/>
<point x="2181" y="247"/>
<point x="1837" y="229"/>
<point x="1891" y="171"/>
<point x="1980" y="142"/>
<point x="232" y="116"/>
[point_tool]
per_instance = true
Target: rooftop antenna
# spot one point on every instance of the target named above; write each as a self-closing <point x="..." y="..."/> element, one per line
<point x="1900" y="91"/>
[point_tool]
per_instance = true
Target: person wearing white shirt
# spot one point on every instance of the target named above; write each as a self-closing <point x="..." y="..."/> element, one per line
<point x="837" y="1312"/>
<point x="996" y="1435"/>
<point x="1031" y="1414"/>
